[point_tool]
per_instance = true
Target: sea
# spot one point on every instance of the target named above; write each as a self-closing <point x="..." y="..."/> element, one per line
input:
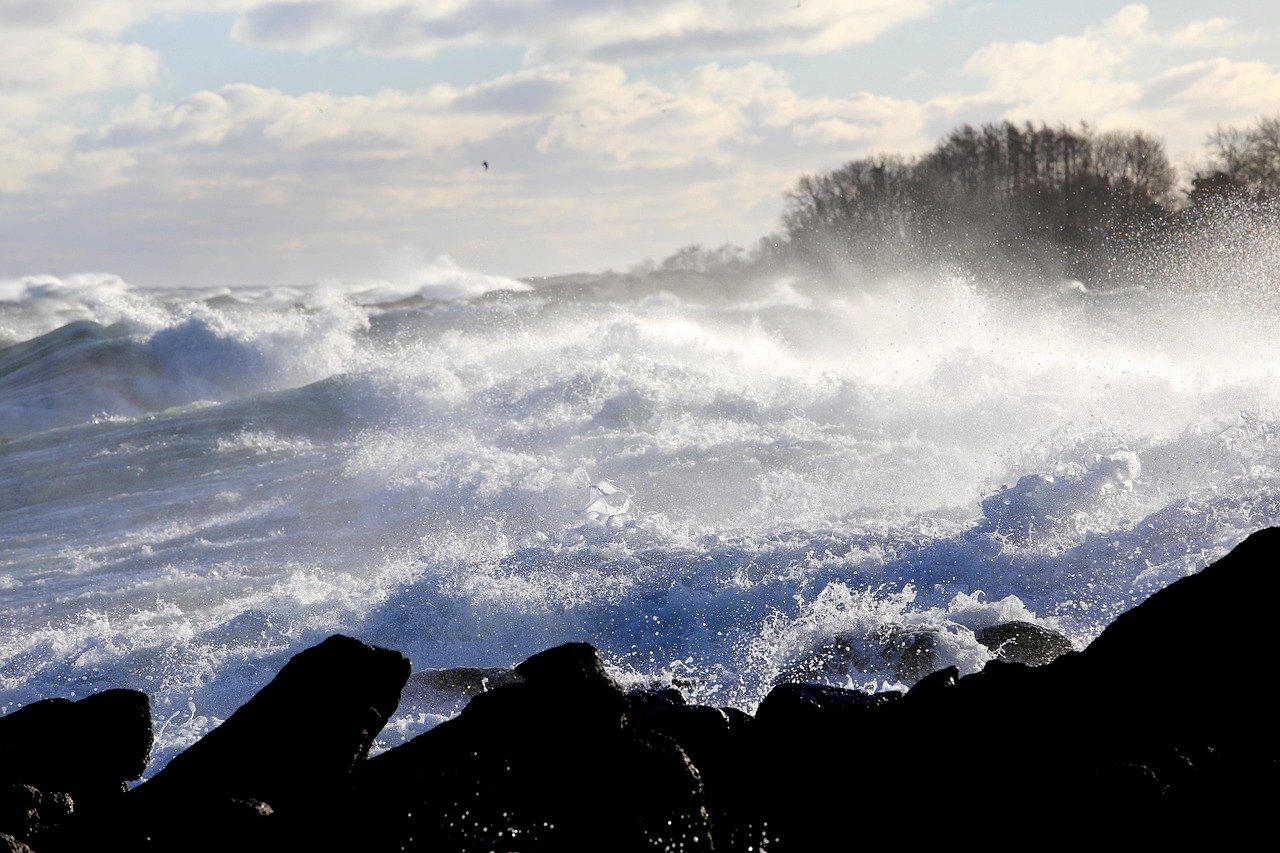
<point x="721" y="479"/>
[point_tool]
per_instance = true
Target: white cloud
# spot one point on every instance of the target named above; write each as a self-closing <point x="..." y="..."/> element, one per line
<point x="1098" y="76"/>
<point x="265" y="125"/>
<point x="41" y="75"/>
<point x="1068" y="76"/>
<point x="713" y="114"/>
<point x="575" y="148"/>
<point x="717" y="115"/>
<point x="559" y="30"/>
<point x="68" y="17"/>
<point x="1211" y="33"/>
<point x="99" y="18"/>
<point x="1231" y="91"/>
<point x="580" y="139"/>
<point x="59" y="65"/>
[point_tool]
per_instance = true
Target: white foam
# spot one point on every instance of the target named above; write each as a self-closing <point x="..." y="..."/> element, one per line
<point x="712" y="490"/>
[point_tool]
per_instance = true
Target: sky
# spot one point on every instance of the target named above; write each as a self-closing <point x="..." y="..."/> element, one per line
<point x="263" y="142"/>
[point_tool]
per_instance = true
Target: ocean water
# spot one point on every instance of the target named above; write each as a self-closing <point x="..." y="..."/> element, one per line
<point x="719" y="481"/>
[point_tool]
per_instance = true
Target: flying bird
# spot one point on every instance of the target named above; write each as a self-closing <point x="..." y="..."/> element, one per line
<point x="485" y="163"/>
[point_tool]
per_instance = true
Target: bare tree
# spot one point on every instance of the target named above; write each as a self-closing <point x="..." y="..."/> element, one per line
<point x="1250" y="157"/>
<point x="1135" y="166"/>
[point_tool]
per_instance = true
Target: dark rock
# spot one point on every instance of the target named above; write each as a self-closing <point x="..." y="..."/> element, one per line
<point x="462" y="681"/>
<point x="28" y="733"/>
<point x="1024" y="642"/>
<point x="720" y="744"/>
<point x="444" y="691"/>
<point x="916" y="652"/>
<point x="292" y="746"/>
<point x="575" y="674"/>
<point x="9" y="844"/>
<point x="27" y="813"/>
<point x="840" y="656"/>
<point x="645" y="700"/>
<point x="88" y="748"/>
<point x="1122" y="740"/>
<point x="796" y="706"/>
<point x="548" y="764"/>
<point x="913" y="654"/>
<point x="934" y="683"/>
<point x="1155" y="640"/>
<point x="1119" y="738"/>
<point x="302" y="733"/>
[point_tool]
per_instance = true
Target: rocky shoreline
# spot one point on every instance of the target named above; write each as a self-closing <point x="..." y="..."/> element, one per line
<point x="1124" y="741"/>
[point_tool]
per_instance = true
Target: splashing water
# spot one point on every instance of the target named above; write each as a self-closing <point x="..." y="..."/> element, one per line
<point x="719" y="483"/>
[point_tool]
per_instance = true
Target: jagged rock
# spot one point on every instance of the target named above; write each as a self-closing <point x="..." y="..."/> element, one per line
<point x="444" y="691"/>
<point x="87" y="748"/>
<point x="575" y="672"/>
<point x="719" y="743"/>
<point x="27" y="813"/>
<point x="292" y="746"/>
<point x="303" y="732"/>
<point x="1023" y="642"/>
<point x="1123" y="738"/>
<point x="838" y="657"/>
<point x="551" y="763"/>
<point x="1187" y="623"/>
<point x="9" y="844"/>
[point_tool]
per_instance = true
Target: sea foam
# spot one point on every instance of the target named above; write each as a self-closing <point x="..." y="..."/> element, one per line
<point x="718" y="482"/>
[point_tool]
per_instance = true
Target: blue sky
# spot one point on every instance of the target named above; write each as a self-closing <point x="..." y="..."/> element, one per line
<point x="247" y="142"/>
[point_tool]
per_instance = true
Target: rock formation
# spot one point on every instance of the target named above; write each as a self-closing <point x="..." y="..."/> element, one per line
<point x="1125" y="740"/>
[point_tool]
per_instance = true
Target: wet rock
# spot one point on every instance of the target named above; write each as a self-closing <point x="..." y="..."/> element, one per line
<point x="720" y="744"/>
<point x="1122" y="739"/>
<point x="445" y="691"/>
<point x="303" y="732"/>
<point x="461" y="682"/>
<point x="842" y="656"/>
<point x="1024" y="642"/>
<point x="917" y="654"/>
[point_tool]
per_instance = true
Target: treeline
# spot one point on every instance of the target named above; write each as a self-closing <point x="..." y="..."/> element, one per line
<point x="1019" y="189"/>
<point x="1006" y="200"/>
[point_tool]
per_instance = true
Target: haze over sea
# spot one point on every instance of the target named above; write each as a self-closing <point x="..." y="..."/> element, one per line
<point x="716" y="479"/>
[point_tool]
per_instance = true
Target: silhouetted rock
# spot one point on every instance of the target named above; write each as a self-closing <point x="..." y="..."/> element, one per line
<point x="802" y="705"/>
<point x="1124" y="740"/>
<point x="292" y="746"/>
<point x="934" y="683"/>
<point x="27" y="813"/>
<point x="87" y="748"/>
<point x="551" y="763"/>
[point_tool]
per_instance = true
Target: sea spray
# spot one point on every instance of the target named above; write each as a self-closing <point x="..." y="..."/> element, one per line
<point x="803" y="475"/>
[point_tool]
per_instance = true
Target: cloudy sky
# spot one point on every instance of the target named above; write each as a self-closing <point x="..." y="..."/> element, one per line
<point x="284" y="141"/>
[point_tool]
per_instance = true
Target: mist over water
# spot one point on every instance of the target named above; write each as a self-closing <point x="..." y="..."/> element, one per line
<point x="718" y="481"/>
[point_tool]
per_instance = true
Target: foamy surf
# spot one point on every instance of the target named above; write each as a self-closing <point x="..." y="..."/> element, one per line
<point x="717" y="482"/>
